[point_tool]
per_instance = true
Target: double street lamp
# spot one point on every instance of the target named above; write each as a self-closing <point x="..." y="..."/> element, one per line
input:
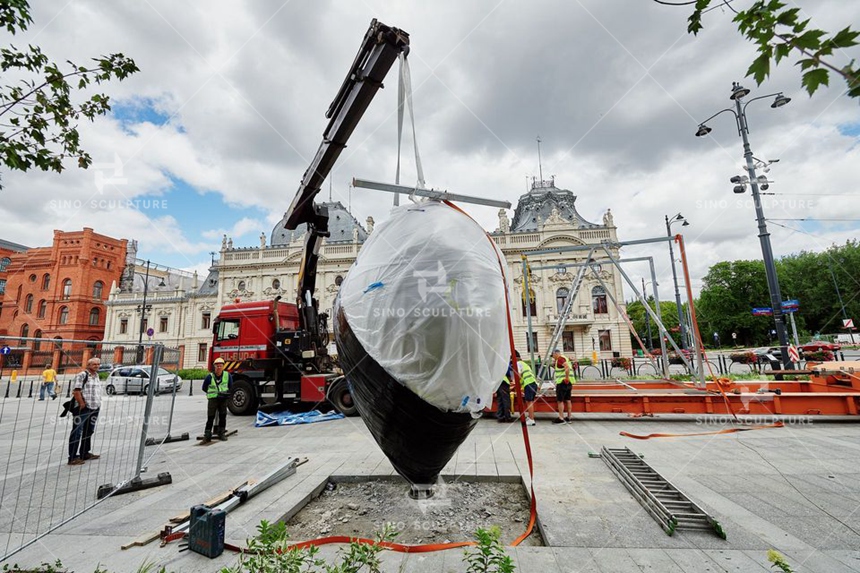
<point x="738" y="93"/>
<point x="143" y="308"/>
<point x="677" y="219"/>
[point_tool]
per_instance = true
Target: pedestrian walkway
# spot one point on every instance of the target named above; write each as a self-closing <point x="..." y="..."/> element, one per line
<point x="795" y="489"/>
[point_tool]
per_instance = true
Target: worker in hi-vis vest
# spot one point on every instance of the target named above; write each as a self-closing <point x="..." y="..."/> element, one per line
<point x="217" y="386"/>
<point x="564" y="381"/>
<point x="529" y="386"/>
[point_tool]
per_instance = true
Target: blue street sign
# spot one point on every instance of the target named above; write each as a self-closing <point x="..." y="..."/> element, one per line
<point x="766" y="311"/>
<point x="790" y="306"/>
<point x="5" y="350"/>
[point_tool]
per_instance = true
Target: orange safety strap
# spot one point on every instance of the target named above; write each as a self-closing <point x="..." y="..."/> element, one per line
<point x="725" y="431"/>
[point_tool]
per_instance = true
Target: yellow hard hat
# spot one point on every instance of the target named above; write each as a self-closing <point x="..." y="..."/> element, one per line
<point x="218" y="361"/>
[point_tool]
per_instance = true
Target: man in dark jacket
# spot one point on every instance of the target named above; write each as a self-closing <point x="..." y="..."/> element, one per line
<point x="217" y="386"/>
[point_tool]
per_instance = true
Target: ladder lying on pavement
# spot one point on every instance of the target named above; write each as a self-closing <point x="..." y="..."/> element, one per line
<point x="672" y="509"/>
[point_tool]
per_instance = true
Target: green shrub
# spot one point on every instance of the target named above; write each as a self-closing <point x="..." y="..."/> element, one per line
<point x="193" y="373"/>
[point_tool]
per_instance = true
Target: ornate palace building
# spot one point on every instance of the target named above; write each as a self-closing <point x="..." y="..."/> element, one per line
<point x="545" y="217"/>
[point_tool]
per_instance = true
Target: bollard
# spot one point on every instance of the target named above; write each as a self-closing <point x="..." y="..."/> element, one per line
<point x="8" y="383"/>
<point x="190" y="387"/>
<point x="31" y="390"/>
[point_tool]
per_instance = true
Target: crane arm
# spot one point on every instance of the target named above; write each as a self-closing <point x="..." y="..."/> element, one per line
<point x="380" y="48"/>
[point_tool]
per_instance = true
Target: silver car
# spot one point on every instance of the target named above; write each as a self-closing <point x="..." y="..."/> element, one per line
<point x="135" y="380"/>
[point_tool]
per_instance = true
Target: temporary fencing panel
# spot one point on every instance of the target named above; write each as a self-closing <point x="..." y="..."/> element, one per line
<point x="39" y="490"/>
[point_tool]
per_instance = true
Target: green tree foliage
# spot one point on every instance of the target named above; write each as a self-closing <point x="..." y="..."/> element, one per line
<point x="669" y="316"/>
<point x="778" y="32"/>
<point x="732" y="289"/>
<point x="39" y="113"/>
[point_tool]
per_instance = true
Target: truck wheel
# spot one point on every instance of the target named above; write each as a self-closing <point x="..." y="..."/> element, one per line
<point x="341" y="399"/>
<point x="243" y="401"/>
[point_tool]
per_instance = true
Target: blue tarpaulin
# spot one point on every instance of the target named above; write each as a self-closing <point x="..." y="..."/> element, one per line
<point x="289" y="419"/>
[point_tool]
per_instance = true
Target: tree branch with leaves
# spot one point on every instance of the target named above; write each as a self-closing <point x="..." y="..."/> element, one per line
<point x="39" y="113"/>
<point x="778" y="31"/>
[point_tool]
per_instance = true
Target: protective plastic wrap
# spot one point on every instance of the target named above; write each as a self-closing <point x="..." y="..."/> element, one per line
<point x="426" y="301"/>
<point x="421" y="333"/>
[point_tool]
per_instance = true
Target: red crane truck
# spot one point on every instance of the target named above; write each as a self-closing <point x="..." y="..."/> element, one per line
<point x="276" y="351"/>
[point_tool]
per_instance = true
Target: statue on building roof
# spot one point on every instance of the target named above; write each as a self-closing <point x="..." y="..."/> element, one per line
<point x="504" y="222"/>
<point x="262" y="240"/>
<point x="370" y="223"/>
<point x="607" y="219"/>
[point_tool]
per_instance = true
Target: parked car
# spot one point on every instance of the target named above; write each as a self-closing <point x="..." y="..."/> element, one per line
<point x="135" y="380"/>
<point x="105" y="367"/>
<point x="819" y="345"/>
<point x="769" y="355"/>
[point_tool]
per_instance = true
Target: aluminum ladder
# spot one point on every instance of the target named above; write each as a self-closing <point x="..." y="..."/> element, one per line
<point x="667" y="505"/>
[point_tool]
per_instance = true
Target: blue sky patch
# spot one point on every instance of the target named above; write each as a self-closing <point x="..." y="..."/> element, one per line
<point x="139" y="111"/>
<point x="850" y="129"/>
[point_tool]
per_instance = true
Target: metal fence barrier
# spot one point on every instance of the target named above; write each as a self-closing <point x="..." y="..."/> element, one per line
<point x="39" y="490"/>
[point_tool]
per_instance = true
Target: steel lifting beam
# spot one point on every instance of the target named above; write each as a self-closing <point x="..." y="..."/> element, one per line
<point x="439" y="195"/>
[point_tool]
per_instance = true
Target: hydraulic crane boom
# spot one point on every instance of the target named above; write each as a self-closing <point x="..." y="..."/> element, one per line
<point x="380" y="48"/>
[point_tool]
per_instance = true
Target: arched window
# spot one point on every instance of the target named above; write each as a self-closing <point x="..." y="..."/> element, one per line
<point x="561" y="296"/>
<point x="94" y="316"/>
<point x="4" y="262"/>
<point x="18" y="297"/>
<point x="46" y="282"/>
<point x="64" y="315"/>
<point x="32" y="278"/>
<point x="598" y="300"/>
<point x="43" y="308"/>
<point x="37" y="343"/>
<point x="25" y="331"/>
<point x="28" y="304"/>
<point x="67" y="288"/>
<point x="98" y="287"/>
<point x="532" y="303"/>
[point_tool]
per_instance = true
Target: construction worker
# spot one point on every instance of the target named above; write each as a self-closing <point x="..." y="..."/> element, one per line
<point x="529" y="386"/>
<point x="217" y="386"/>
<point x="564" y="381"/>
<point x="503" y="399"/>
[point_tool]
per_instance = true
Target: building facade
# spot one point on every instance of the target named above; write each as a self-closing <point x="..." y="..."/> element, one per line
<point x="59" y="291"/>
<point x="545" y="217"/>
<point x="7" y="249"/>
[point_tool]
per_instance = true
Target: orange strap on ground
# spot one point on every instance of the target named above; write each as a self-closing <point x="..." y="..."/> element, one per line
<point x="725" y="431"/>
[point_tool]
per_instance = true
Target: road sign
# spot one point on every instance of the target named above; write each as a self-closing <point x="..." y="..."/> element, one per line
<point x="766" y="311"/>
<point x="150" y="332"/>
<point x="793" y="354"/>
<point x="790" y="306"/>
<point x="5" y="350"/>
<point x="846" y="323"/>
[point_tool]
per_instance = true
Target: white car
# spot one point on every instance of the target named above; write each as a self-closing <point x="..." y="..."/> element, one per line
<point x="135" y="380"/>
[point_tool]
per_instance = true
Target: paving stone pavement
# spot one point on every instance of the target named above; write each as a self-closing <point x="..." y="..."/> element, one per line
<point x="794" y="489"/>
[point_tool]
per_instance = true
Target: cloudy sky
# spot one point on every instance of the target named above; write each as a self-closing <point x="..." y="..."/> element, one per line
<point x="215" y="132"/>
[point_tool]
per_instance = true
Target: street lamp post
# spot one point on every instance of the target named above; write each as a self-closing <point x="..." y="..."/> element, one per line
<point x="143" y="308"/>
<point x="677" y="218"/>
<point x="738" y="93"/>
<point x="647" y="318"/>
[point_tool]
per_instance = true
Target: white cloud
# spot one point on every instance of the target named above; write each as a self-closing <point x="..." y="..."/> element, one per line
<point x="614" y="91"/>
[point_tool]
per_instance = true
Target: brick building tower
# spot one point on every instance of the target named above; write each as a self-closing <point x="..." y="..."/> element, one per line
<point x="59" y="291"/>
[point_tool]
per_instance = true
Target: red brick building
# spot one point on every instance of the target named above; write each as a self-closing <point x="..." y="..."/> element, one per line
<point x="7" y="249"/>
<point x="59" y="291"/>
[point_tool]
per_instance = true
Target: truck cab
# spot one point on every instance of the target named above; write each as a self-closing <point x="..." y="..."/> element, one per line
<point x="272" y="360"/>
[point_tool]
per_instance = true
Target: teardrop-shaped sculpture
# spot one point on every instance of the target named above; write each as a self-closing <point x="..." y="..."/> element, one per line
<point x="421" y="333"/>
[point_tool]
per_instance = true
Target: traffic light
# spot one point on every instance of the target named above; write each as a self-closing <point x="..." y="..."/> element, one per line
<point x="763" y="182"/>
<point x="740" y="183"/>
